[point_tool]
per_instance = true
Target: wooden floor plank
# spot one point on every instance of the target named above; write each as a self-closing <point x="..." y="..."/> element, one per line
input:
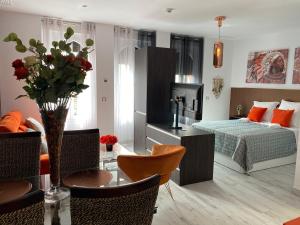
<point x="263" y="198"/>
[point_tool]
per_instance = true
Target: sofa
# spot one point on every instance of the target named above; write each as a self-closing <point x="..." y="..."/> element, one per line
<point x="80" y="148"/>
<point x="14" y="121"/>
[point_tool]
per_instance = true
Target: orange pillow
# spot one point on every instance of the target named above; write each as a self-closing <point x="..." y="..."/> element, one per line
<point x="256" y="113"/>
<point x="10" y="122"/>
<point x="282" y="117"/>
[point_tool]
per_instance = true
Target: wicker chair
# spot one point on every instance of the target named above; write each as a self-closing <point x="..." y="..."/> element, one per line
<point x="80" y="151"/>
<point x="131" y="204"/>
<point x="19" y="154"/>
<point x="28" y="210"/>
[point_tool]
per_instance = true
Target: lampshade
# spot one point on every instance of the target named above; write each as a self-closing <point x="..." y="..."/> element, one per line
<point x="218" y="54"/>
<point x="218" y="46"/>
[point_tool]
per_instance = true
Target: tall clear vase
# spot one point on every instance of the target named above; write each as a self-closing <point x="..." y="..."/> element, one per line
<point x="54" y="117"/>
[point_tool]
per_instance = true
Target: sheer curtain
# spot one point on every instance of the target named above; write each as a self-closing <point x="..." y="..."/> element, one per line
<point x="82" y="112"/>
<point x="124" y="47"/>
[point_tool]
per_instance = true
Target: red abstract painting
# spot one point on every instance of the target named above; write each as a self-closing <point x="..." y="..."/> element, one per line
<point x="267" y="66"/>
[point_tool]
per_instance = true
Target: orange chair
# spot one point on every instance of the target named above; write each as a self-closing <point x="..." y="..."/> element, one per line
<point x="163" y="160"/>
<point x="293" y="222"/>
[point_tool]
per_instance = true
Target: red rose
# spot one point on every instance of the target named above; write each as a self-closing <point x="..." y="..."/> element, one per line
<point x="49" y="58"/>
<point x="108" y="139"/>
<point x="21" y="73"/>
<point x="85" y="65"/>
<point x="70" y="58"/>
<point x="17" y="63"/>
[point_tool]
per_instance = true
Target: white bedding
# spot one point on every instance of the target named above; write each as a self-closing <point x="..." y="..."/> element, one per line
<point x="294" y="129"/>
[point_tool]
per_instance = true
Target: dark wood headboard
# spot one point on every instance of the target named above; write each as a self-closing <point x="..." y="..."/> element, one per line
<point x="246" y="96"/>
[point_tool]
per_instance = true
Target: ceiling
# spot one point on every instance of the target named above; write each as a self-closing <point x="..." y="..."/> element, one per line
<point x="195" y="17"/>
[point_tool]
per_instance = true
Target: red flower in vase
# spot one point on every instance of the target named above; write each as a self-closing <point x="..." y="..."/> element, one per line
<point x="108" y="139"/>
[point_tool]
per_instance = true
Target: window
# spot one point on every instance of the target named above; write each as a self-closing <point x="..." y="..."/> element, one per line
<point x="189" y="53"/>
<point x="146" y="38"/>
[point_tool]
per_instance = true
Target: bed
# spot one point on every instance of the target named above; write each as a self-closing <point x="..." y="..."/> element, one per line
<point x="247" y="146"/>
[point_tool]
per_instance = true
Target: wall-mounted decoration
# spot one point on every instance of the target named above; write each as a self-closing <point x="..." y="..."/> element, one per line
<point x="267" y="66"/>
<point x="218" y="84"/>
<point x="239" y="109"/>
<point x="296" y="72"/>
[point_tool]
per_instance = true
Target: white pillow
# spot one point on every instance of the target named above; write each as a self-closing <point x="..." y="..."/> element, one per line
<point x="35" y="125"/>
<point x="295" y="122"/>
<point x="270" y="107"/>
<point x="44" y="146"/>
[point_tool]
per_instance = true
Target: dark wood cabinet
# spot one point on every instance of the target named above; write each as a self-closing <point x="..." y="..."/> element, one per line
<point x="153" y="76"/>
<point x="198" y="161"/>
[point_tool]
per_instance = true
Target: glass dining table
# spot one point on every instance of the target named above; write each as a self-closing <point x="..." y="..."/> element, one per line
<point x="107" y="175"/>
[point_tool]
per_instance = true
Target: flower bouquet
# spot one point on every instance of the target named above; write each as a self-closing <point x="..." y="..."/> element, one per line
<point x="51" y="78"/>
<point x="109" y="141"/>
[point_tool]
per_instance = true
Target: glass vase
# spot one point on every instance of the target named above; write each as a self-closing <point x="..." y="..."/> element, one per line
<point x="54" y="117"/>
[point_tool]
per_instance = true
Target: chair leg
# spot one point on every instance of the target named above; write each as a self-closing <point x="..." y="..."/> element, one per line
<point x="167" y="185"/>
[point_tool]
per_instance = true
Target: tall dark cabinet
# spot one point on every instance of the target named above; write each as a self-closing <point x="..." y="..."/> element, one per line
<point x="154" y="72"/>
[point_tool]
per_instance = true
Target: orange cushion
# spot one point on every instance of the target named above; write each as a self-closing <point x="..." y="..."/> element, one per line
<point x="23" y="128"/>
<point x="293" y="222"/>
<point x="44" y="163"/>
<point x="282" y="117"/>
<point x="256" y="113"/>
<point x="11" y="122"/>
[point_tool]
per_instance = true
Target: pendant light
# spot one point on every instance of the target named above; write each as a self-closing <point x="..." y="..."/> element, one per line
<point x="218" y="46"/>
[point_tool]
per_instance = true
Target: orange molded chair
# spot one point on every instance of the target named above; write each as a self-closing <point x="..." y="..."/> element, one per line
<point x="293" y="222"/>
<point x="163" y="160"/>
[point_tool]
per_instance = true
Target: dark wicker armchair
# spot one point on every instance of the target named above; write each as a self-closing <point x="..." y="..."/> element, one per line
<point x="19" y="154"/>
<point x="28" y="210"/>
<point x="80" y="151"/>
<point x="131" y="204"/>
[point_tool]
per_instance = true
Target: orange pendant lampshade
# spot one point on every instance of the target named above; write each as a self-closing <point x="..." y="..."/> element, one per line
<point x="218" y="54"/>
<point x="218" y="46"/>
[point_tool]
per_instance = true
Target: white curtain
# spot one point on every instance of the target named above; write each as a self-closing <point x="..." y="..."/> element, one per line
<point x="124" y="48"/>
<point x="52" y="29"/>
<point x="82" y="112"/>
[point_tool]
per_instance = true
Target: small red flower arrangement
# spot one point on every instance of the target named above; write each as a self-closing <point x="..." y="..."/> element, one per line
<point x="108" y="139"/>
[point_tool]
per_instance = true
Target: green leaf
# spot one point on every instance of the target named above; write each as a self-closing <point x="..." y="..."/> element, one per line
<point x="61" y="45"/>
<point x="41" y="49"/>
<point x="69" y="33"/>
<point x="89" y="42"/>
<point x="70" y="79"/>
<point x="6" y="39"/>
<point x="29" y="91"/>
<point x="55" y="44"/>
<point x="50" y="95"/>
<point x="80" y="80"/>
<point x="32" y="42"/>
<point x="21" y="48"/>
<point x="11" y="37"/>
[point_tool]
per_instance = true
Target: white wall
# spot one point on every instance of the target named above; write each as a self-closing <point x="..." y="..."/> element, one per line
<point x="105" y="71"/>
<point x="163" y="39"/>
<point x="216" y="108"/>
<point x="287" y="39"/>
<point x="26" y="26"/>
<point x="29" y="26"/>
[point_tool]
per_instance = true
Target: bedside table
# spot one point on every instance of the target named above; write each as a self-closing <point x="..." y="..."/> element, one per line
<point x="236" y="117"/>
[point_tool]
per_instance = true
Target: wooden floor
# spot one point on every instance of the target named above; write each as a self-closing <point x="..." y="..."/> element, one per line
<point x="264" y="198"/>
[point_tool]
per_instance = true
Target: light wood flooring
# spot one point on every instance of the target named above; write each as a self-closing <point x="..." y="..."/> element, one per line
<point x="264" y="198"/>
